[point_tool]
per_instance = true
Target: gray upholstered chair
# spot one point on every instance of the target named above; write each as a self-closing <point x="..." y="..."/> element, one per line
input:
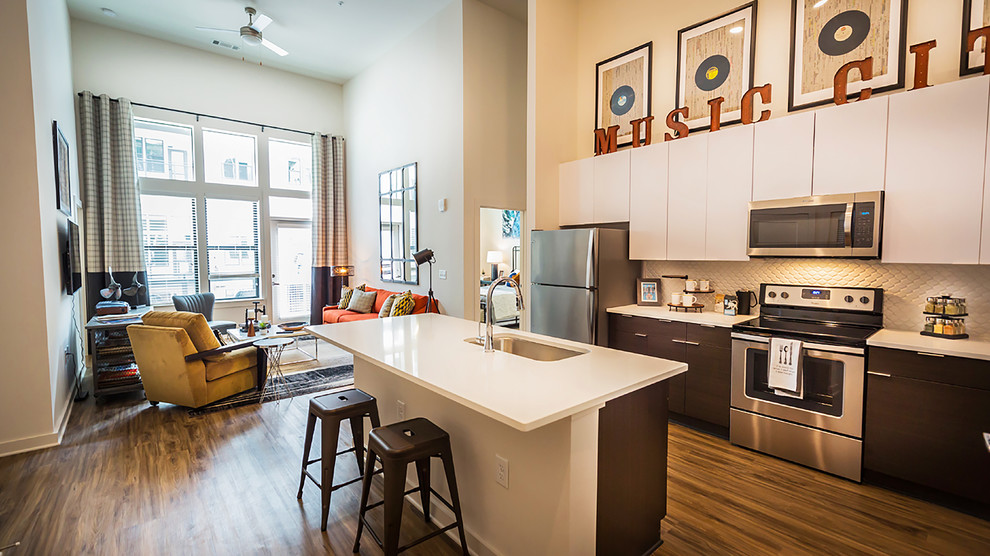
<point x="202" y="303"/>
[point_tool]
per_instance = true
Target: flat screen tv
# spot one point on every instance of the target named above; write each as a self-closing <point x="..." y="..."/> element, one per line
<point x="71" y="263"/>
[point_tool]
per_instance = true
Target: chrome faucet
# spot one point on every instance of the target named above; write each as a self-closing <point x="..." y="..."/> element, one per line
<point x="490" y="309"/>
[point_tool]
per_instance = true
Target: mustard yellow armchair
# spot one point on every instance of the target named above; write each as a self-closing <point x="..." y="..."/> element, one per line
<point x="181" y="362"/>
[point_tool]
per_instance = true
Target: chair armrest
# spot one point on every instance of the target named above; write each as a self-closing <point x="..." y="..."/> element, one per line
<point x="221" y="350"/>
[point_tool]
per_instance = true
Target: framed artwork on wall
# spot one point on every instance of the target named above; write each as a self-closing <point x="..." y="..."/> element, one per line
<point x="827" y="35"/>
<point x="63" y="190"/>
<point x="976" y="14"/>
<point x="623" y="84"/>
<point x="715" y="59"/>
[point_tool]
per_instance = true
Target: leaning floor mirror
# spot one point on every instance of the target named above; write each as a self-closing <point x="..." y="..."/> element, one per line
<point x="399" y="224"/>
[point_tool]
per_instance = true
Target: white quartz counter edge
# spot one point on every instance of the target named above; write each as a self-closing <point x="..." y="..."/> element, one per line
<point x="564" y="384"/>
<point x="709" y="318"/>
<point x="914" y="341"/>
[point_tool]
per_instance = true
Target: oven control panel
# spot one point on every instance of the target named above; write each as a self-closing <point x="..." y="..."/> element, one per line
<point x="850" y="299"/>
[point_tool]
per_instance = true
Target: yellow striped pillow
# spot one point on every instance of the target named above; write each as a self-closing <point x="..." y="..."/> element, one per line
<point x="403" y="305"/>
<point x="345" y="295"/>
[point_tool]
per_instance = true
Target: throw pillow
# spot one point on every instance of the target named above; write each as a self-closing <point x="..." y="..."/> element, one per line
<point x="345" y="295"/>
<point x="387" y="306"/>
<point x="403" y="305"/>
<point x="362" y="301"/>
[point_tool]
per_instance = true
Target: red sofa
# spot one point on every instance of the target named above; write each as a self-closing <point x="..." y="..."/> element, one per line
<point x="331" y="314"/>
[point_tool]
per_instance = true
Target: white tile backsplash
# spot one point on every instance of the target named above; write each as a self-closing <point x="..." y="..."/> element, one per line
<point x="905" y="285"/>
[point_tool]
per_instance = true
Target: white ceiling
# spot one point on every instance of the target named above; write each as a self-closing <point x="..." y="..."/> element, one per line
<point x="324" y="39"/>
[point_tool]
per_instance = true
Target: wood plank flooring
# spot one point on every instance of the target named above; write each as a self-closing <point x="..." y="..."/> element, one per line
<point x="132" y="479"/>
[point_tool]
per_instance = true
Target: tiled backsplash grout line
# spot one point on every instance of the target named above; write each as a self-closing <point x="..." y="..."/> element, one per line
<point x="905" y="285"/>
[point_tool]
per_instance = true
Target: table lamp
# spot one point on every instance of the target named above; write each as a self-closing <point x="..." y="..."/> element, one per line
<point x="426" y="256"/>
<point x="495" y="258"/>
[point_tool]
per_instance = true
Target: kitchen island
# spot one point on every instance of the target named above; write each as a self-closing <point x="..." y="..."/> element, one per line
<point x="585" y="437"/>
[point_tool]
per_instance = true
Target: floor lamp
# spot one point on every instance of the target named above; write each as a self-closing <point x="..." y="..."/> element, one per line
<point x="426" y="256"/>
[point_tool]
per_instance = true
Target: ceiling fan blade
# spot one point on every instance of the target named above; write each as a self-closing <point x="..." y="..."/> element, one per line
<point x="260" y="22"/>
<point x="198" y="28"/>
<point x="273" y="47"/>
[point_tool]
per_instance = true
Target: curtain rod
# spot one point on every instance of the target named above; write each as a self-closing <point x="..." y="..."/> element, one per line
<point x="198" y="115"/>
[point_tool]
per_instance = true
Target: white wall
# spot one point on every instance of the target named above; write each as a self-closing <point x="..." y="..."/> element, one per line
<point x="408" y="107"/>
<point x="36" y="89"/>
<point x="151" y="71"/>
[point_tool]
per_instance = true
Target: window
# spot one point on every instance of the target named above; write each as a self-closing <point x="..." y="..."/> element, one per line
<point x="169" y="228"/>
<point x="232" y="248"/>
<point x="229" y="158"/>
<point x="290" y="165"/>
<point x="152" y="139"/>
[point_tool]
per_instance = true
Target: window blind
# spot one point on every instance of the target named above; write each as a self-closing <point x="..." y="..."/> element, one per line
<point x="170" y="252"/>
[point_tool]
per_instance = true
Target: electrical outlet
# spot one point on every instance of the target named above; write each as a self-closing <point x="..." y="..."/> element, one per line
<point x="400" y="409"/>
<point x="443" y="274"/>
<point x="501" y="471"/>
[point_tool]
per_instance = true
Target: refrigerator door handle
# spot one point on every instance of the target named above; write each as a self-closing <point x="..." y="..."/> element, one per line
<point x="592" y="257"/>
<point x="592" y="319"/>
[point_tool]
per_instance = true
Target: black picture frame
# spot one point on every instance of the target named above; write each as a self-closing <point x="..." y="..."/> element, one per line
<point x="63" y="189"/>
<point x="965" y="60"/>
<point x="704" y="122"/>
<point x="648" y="292"/>
<point x="898" y="29"/>
<point x="645" y="50"/>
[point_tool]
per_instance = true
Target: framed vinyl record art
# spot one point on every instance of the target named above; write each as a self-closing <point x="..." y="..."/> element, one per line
<point x="976" y="14"/>
<point x="715" y="59"/>
<point x="826" y="35"/>
<point x="623" y="91"/>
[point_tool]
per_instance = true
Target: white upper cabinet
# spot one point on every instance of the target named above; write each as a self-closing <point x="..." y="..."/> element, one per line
<point x="648" y="203"/>
<point x="611" y="199"/>
<point x="851" y="147"/>
<point x="985" y="242"/>
<point x="730" y="187"/>
<point x="576" y="202"/>
<point x="783" y="157"/>
<point x="687" y="198"/>
<point x="936" y="152"/>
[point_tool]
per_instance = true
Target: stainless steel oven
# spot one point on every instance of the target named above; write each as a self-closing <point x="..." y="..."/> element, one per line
<point x="823" y="426"/>
<point x="821" y="226"/>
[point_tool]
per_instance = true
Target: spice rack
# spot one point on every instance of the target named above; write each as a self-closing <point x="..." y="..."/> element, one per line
<point x="945" y="317"/>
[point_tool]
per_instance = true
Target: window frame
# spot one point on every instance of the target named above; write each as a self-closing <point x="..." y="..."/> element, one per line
<point x="199" y="188"/>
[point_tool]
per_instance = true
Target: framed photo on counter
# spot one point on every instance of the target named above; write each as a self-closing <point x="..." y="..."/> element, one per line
<point x="648" y="292"/>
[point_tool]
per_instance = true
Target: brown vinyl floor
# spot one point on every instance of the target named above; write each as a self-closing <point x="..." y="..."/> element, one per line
<point x="132" y="479"/>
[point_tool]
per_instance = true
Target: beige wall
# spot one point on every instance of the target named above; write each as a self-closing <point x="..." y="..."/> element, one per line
<point x="152" y="71"/>
<point x="407" y="108"/>
<point x="36" y="89"/>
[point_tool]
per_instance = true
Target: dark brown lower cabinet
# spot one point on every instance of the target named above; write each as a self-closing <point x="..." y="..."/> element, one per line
<point x="926" y="416"/>
<point x="701" y="393"/>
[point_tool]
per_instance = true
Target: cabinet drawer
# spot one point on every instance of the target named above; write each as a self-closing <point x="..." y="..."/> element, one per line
<point x="667" y="340"/>
<point x="634" y="342"/>
<point x="709" y="335"/>
<point x="630" y="323"/>
<point x="945" y="369"/>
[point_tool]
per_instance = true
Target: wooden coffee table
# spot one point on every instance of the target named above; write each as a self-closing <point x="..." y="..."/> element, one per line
<point x="275" y="332"/>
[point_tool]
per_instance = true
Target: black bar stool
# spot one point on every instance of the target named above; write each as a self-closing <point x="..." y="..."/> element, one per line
<point x="332" y="409"/>
<point x="398" y="445"/>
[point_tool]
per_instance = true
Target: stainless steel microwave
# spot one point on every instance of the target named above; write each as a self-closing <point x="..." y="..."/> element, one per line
<point x="820" y="226"/>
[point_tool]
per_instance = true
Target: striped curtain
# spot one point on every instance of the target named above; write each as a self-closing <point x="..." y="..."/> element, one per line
<point x="112" y="209"/>
<point x="329" y="222"/>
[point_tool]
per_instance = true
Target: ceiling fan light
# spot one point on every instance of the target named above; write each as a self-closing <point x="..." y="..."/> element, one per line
<point x="251" y="40"/>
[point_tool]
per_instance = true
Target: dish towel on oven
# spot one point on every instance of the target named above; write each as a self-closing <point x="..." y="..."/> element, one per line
<point x="784" y="374"/>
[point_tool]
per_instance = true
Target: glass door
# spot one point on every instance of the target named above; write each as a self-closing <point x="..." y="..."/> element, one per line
<point x="292" y="270"/>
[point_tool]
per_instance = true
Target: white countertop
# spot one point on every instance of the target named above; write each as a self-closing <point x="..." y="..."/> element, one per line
<point x="710" y="318"/>
<point x="430" y="350"/>
<point x="914" y="341"/>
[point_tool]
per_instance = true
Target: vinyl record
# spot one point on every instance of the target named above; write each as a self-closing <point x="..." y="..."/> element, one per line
<point x="844" y="32"/>
<point x="623" y="100"/>
<point x="712" y="72"/>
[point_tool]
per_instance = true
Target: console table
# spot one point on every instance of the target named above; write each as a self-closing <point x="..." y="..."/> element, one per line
<point x="114" y="369"/>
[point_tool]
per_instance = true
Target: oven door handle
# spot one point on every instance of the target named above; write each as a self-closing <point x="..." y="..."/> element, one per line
<point x="806" y="346"/>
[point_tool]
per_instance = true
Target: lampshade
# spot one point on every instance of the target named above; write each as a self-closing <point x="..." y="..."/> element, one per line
<point x="426" y="255"/>
<point x="495" y="257"/>
<point x="342" y="270"/>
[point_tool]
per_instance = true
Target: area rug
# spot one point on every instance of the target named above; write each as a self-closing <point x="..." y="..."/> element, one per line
<point x="296" y="384"/>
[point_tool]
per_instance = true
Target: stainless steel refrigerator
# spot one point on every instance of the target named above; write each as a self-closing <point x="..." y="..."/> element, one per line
<point x="577" y="275"/>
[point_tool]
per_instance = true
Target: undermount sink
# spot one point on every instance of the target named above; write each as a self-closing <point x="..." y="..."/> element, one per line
<point x="530" y="349"/>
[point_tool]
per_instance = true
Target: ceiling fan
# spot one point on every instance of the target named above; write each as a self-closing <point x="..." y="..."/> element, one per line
<point x="251" y="33"/>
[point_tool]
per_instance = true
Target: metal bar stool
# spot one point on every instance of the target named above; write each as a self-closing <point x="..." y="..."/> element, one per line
<point x="398" y="445"/>
<point x="332" y="409"/>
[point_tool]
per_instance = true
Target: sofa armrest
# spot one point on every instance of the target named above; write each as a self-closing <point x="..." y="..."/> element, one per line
<point x="220" y="350"/>
<point x="331" y="306"/>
